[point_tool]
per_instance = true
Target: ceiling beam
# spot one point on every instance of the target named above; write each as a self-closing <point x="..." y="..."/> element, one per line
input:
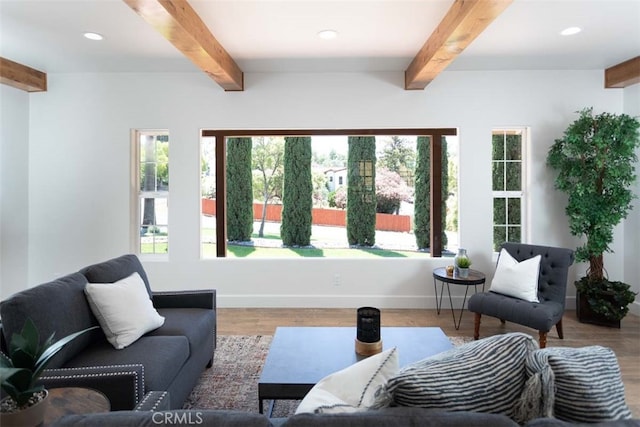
<point x="464" y="21"/>
<point x="625" y="74"/>
<point x="22" y="77"/>
<point x="180" y="24"/>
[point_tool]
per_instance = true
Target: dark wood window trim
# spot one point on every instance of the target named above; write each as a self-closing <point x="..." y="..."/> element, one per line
<point x="436" y="135"/>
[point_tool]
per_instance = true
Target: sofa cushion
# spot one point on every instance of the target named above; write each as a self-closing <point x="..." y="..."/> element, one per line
<point x="351" y="389"/>
<point x="123" y="309"/>
<point x="162" y="358"/>
<point x="165" y="418"/>
<point x="58" y="307"/>
<point x="116" y="269"/>
<point x="482" y="376"/>
<point x="400" y="417"/>
<point x="196" y="324"/>
<point x="574" y="384"/>
<point x="554" y="422"/>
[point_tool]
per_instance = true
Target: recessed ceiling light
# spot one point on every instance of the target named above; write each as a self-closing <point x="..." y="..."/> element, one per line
<point x="93" y="36"/>
<point x="570" y="31"/>
<point x="328" y="34"/>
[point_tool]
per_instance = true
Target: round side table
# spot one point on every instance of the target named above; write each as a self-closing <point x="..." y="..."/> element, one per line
<point x="74" y="400"/>
<point x="440" y="275"/>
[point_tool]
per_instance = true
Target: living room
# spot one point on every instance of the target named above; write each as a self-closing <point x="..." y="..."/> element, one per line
<point x="66" y="168"/>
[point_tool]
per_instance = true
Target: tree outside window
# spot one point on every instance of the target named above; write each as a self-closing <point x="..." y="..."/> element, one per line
<point x="152" y="152"/>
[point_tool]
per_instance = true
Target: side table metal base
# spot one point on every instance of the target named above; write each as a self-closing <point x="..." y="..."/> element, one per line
<point x="439" y="274"/>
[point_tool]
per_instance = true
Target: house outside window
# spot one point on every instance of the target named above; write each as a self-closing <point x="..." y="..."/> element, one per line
<point x="151" y="191"/>
<point x="508" y="164"/>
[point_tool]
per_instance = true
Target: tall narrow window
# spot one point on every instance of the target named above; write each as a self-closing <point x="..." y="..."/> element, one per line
<point x="508" y="185"/>
<point x="152" y="194"/>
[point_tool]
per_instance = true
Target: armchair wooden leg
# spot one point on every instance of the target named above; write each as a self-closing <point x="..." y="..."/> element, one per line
<point x="559" y="329"/>
<point x="543" y="339"/>
<point x="476" y="326"/>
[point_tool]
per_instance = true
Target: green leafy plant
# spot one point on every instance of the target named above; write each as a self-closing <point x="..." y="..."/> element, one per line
<point x="463" y="262"/>
<point x="595" y="163"/>
<point x="610" y="299"/>
<point x="21" y="369"/>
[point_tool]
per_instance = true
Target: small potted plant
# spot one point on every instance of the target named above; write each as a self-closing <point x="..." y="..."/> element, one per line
<point x="26" y="402"/>
<point x="463" y="262"/>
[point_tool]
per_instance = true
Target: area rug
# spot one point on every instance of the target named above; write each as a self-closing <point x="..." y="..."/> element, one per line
<point x="232" y="382"/>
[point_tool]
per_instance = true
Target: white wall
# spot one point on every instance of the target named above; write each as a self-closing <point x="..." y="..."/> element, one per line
<point x="632" y="223"/>
<point x="14" y="187"/>
<point x="79" y="170"/>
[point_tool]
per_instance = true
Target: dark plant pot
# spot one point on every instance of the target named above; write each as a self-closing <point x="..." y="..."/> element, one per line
<point x="587" y="315"/>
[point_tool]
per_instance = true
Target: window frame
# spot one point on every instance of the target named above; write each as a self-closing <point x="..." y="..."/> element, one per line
<point x="221" y="136"/>
<point x="512" y="194"/>
<point x="137" y="194"/>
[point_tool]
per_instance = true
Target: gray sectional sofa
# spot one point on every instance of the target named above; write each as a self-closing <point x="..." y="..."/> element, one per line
<point x="170" y="358"/>
<point x="388" y="417"/>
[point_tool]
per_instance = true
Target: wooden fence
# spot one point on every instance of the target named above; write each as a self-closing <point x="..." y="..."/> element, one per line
<point x="321" y="216"/>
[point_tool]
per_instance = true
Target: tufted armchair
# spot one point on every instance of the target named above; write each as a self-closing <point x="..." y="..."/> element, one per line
<point x="552" y="289"/>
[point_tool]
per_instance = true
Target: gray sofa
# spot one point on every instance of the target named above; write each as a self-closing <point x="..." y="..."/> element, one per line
<point x="388" y="417"/>
<point x="170" y="358"/>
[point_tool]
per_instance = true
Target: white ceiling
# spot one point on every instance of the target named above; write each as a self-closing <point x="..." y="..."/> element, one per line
<point x="277" y="36"/>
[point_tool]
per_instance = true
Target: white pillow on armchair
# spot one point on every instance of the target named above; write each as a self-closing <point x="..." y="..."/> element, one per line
<point x="517" y="279"/>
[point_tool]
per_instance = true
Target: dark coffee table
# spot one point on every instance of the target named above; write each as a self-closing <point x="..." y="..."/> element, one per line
<point x="299" y="357"/>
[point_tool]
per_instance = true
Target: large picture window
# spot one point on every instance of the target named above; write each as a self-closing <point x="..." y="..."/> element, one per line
<point x="151" y="190"/>
<point x="508" y="185"/>
<point x="255" y="189"/>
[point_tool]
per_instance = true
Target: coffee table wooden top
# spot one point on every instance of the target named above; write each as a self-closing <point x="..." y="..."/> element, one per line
<point x="299" y="357"/>
<point x="74" y="400"/>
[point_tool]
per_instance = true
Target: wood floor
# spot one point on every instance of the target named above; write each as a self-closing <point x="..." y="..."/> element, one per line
<point x="625" y="341"/>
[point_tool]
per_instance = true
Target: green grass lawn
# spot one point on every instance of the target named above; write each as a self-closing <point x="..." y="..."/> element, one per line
<point x="241" y="251"/>
<point x="238" y="251"/>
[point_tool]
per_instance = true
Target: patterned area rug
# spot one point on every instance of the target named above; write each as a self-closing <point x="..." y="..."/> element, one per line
<point x="232" y="382"/>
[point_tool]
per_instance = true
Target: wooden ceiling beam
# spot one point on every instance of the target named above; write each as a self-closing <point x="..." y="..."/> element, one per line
<point x="464" y="21"/>
<point x="180" y="24"/>
<point x="625" y="74"/>
<point x="22" y="77"/>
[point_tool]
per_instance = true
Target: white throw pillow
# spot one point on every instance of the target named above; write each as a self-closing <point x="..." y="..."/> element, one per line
<point x="351" y="389"/>
<point x="123" y="309"/>
<point x="517" y="279"/>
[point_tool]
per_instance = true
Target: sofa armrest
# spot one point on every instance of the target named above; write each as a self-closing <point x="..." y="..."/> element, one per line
<point x="205" y="298"/>
<point x="154" y="401"/>
<point x="123" y="385"/>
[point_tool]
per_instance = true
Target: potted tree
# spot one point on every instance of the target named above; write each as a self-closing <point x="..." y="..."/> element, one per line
<point x="26" y="401"/>
<point x="595" y="164"/>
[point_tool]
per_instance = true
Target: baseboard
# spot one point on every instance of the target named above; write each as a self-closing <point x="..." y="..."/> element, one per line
<point x="335" y="301"/>
<point x="353" y="301"/>
<point x="634" y="308"/>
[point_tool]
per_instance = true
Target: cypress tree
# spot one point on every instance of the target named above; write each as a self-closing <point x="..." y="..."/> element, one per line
<point x="361" y="191"/>
<point x="422" y="212"/>
<point x="239" y="190"/>
<point x="297" y="199"/>
<point x="422" y="208"/>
